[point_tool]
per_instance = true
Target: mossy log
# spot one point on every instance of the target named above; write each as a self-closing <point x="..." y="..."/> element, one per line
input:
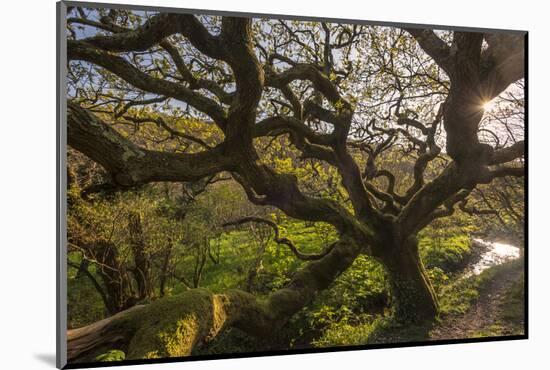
<point x="174" y="326"/>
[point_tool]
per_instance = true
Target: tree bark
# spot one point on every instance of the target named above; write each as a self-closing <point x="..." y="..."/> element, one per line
<point x="142" y="269"/>
<point x="413" y="297"/>
<point x="165" y="267"/>
<point x="173" y="326"/>
<point x="115" y="278"/>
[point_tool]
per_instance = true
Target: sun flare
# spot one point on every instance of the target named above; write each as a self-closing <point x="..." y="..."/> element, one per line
<point x="488" y="105"/>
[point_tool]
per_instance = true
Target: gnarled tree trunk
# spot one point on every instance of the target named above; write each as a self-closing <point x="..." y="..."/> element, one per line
<point x="142" y="269"/>
<point x="413" y="297"/>
<point x="173" y="326"/>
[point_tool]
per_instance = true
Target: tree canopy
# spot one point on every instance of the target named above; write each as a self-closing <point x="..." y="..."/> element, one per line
<point x="372" y="132"/>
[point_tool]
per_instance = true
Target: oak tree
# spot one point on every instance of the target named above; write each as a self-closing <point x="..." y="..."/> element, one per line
<point x="346" y="96"/>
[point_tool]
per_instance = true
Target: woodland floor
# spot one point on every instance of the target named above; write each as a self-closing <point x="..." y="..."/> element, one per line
<point x="487" y="316"/>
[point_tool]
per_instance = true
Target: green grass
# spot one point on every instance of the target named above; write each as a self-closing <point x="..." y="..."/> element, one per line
<point x="112" y="355"/>
<point x="84" y="304"/>
<point x="381" y="329"/>
<point x="513" y="303"/>
<point x="353" y="311"/>
<point x="446" y="253"/>
<point x="346" y="335"/>
<point x="457" y="297"/>
<point x="493" y="330"/>
<point x="238" y="250"/>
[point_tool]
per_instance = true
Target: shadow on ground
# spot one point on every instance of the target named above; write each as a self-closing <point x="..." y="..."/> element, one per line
<point x="46" y="358"/>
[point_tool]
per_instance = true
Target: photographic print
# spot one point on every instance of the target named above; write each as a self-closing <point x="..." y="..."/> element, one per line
<point x="251" y="184"/>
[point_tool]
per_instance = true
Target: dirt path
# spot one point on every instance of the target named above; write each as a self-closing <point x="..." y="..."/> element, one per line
<point x="483" y="313"/>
